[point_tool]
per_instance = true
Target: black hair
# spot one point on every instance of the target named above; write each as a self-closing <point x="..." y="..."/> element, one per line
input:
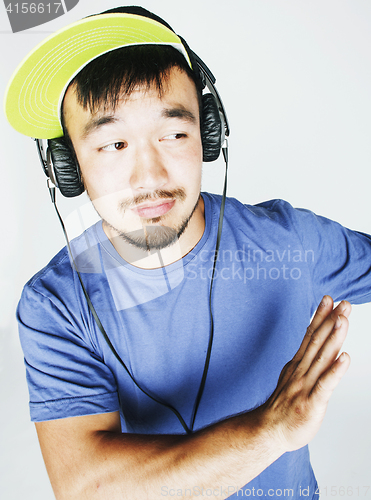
<point x="116" y="74"/>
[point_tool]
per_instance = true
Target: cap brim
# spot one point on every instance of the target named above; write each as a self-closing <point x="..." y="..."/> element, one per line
<point x="36" y="89"/>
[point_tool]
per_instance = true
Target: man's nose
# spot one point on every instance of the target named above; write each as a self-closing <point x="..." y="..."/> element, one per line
<point x="149" y="172"/>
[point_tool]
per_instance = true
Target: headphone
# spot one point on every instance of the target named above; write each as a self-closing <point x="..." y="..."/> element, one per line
<point x="60" y="162"/>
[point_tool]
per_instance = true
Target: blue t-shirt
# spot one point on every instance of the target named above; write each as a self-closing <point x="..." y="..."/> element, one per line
<point x="275" y="264"/>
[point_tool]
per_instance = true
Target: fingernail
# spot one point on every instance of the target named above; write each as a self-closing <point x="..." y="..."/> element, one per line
<point x="338" y="322"/>
<point x="342" y="357"/>
<point x="323" y="302"/>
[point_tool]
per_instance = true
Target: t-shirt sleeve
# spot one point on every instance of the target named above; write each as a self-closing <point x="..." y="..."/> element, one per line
<point x="339" y="259"/>
<point x="66" y="377"/>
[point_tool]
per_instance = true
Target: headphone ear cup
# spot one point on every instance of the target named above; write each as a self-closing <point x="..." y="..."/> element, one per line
<point x="211" y="128"/>
<point x="66" y="168"/>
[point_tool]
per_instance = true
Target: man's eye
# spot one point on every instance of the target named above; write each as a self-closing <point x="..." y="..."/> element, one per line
<point x="115" y="146"/>
<point x="175" y="136"/>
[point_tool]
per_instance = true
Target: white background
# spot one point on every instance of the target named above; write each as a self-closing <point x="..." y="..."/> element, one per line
<point x="295" y="78"/>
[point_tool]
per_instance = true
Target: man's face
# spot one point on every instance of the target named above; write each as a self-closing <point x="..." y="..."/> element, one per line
<point x="141" y="163"/>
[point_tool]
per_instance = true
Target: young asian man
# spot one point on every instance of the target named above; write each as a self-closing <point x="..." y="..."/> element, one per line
<point x="132" y="119"/>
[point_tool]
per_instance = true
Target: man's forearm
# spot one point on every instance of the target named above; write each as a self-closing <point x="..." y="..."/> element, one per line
<point x="226" y="455"/>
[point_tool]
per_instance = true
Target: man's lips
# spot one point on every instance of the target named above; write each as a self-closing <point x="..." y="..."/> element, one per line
<point x="150" y="210"/>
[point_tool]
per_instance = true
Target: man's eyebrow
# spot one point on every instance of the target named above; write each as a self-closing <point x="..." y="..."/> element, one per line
<point x="96" y="123"/>
<point x="179" y="112"/>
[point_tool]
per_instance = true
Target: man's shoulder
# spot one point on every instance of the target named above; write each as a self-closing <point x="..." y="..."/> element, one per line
<point x="59" y="261"/>
<point x="275" y="209"/>
<point x="265" y="208"/>
<point x="43" y="291"/>
<point x="60" y="268"/>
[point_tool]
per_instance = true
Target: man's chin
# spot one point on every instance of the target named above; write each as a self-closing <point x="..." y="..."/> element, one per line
<point x="151" y="237"/>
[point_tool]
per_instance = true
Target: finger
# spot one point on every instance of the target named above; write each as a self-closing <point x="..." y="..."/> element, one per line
<point x="319" y="336"/>
<point x="314" y="337"/>
<point x="327" y="383"/>
<point x="328" y="353"/>
<point x="322" y="312"/>
<point x="344" y="308"/>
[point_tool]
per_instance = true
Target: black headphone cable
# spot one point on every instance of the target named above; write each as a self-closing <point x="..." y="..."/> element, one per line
<point x="188" y="430"/>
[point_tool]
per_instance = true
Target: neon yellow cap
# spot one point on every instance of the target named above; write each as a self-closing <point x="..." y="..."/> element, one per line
<point x="35" y="92"/>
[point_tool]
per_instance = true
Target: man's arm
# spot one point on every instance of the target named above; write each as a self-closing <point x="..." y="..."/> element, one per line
<point x="88" y="457"/>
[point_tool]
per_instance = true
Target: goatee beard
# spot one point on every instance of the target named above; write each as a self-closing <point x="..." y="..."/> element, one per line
<point x="155" y="237"/>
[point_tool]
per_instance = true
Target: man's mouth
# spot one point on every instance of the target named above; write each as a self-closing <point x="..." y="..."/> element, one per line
<point x="153" y="209"/>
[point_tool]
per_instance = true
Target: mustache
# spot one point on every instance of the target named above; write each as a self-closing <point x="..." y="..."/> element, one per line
<point x="176" y="194"/>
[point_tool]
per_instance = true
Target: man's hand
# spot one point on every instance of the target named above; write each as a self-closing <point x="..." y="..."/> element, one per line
<point x="297" y="407"/>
